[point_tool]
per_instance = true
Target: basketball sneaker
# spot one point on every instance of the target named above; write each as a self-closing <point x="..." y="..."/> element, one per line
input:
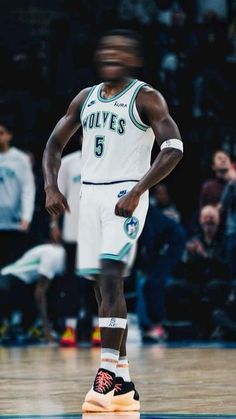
<point x="156" y="334"/>
<point x="126" y="397"/>
<point x="96" y="336"/>
<point x="69" y="338"/>
<point x="99" y="398"/>
<point x="34" y="335"/>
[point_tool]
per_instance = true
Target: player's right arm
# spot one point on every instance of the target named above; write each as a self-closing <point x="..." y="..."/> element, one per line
<point x="56" y="203"/>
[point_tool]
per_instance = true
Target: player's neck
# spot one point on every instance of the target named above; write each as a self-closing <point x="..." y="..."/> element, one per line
<point x="110" y="88"/>
<point x="4" y="148"/>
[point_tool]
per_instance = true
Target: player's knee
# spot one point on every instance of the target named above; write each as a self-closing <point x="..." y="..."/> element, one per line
<point x="112" y="269"/>
<point x="111" y="285"/>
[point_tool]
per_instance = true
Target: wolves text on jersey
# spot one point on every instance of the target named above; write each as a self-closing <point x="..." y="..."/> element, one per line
<point x="104" y="119"/>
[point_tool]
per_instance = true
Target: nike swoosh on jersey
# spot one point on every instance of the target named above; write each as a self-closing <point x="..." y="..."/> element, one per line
<point x="122" y="193"/>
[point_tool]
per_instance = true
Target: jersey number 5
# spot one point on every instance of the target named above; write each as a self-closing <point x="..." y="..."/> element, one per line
<point x="99" y="145"/>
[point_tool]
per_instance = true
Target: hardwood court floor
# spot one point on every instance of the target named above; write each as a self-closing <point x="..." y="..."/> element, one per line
<point x="53" y="381"/>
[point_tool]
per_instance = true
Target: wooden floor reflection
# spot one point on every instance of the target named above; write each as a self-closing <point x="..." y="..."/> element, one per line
<point x="45" y="381"/>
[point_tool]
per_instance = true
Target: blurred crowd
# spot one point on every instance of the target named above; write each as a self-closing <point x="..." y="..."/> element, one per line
<point x="183" y="283"/>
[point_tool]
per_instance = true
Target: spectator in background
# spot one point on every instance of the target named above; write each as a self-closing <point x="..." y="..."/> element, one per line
<point x="163" y="201"/>
<point x="228" y="209"/>
<point x="206" y="270"/>
<point x="17" y="195"/>
<point x="39" y="265"/>
<point x="69" y="181"/>
<point x="217" y="7"/>
<point x="211" y="190"/>
<point x="65" y="230"/>
<point x="160" y="248"/>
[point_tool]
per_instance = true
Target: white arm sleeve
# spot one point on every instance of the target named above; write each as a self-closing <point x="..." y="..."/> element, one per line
<point x="28" y="190"/>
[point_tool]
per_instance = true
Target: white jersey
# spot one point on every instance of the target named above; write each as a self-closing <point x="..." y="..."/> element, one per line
<point x="46" y="259"/>
<point x="117" y="145"/>
<point x="69" y="182"/>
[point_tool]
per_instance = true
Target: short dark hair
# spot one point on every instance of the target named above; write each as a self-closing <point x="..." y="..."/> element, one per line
<point x="7" y="125"/>
<point x="128" y="33"/>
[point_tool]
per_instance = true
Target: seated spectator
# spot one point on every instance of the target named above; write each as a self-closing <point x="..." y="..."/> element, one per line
<point x="205" y="271"/>
<point x="39" y="265"/>
<point x="17" y="194"/>
<point x="160" y="248"/>
<point x="223" y="168"/>
<point x="162" y="199"/>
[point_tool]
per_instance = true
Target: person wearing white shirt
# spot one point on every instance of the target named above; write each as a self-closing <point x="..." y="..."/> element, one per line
<point x="17" y="196"/>
<point x="69" y="181"/>
<point x="40" y="265"/>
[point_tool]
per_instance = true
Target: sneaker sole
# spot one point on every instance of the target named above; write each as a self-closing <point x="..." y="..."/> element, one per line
<point x="134" y="407"/>
<point x="125" y="403"/>
<point x="95" y="407"/>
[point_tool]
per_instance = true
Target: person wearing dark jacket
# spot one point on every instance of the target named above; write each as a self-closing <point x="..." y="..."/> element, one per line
<point x="160" y="249"/>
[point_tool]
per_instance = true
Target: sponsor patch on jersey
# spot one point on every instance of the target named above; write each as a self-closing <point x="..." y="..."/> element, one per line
<point x="91" y="103"/>
<point x="131" y="227"/>
<point x="120" y="105"/>
<point x="122" y="193"/>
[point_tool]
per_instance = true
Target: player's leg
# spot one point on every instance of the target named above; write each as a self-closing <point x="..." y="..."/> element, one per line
<point x="111" y="301"/>
<point x="112" y="320"/>
<point x="122" y="370"/>
<point x="123" y="365"/>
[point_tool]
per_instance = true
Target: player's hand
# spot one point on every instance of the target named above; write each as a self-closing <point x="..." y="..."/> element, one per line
<point x="24" y="225"/>
<point x="56" y="203"/>
<point x="127" y="204"/>
<point x="195" y="247"/>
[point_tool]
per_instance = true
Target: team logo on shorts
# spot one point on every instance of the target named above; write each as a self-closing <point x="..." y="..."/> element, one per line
<point x="131" y="227"/>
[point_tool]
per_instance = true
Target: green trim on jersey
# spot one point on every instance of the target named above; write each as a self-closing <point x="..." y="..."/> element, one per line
<point x="139" y="125"/>
<point x="88" y="271"/>
<point x="118" y="95"/>
<point x="86" y="101"/>
<point x="22" y="264"/>
<point x="120" y="255"/>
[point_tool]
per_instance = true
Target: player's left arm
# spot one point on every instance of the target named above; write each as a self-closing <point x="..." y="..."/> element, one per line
<point x="154" y="111"/>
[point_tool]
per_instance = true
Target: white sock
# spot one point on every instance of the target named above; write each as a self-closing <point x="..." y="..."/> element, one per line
<point x="109" y="359"/>
<point x="122" y="369"/>
<point x="71" y="322"/>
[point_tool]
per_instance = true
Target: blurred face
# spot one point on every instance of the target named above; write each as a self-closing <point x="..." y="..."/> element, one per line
<point x="115" y="56"/>
<point x="161" y="195"/>
<point x="209" y="220"/>
<point x="5" y="137"/>
<point x="221" y="164"/>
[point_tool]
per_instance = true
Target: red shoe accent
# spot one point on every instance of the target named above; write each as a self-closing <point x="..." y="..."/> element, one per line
<point x="96" y="336"/>
<point x="69" y="338"/>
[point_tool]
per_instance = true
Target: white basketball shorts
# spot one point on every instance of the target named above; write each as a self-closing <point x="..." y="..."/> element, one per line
<point x="104" y="235"/>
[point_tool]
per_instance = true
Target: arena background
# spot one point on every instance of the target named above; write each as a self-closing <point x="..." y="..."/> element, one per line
<point x="46" y="56"/>
<point x="189" y="48"/>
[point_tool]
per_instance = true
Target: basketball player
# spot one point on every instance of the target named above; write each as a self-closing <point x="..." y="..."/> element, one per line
<point x="120" y="119"/>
